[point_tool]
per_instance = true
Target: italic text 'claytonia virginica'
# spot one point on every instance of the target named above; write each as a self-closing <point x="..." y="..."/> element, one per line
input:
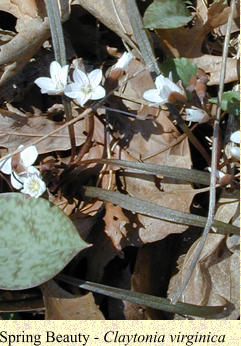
<point x="21" y="171"/>
<point x="164" y="88"/>
<point x="58" y="81"/>
<point x="85" y="86"/>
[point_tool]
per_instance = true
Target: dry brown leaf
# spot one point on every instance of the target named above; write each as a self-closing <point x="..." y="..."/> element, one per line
<point x="150" y="276"/>
<point x="164" y="192"/>
<point x="61" y="305"/>
<point x="16" y="130"/>
<point x="20" y="8"/>
<point x="187" y="42"/>
<point x="212" y="64"/>
<point x="216" y="277"/>
<point x="115" y="222"/>
<point x="32" y="30"/>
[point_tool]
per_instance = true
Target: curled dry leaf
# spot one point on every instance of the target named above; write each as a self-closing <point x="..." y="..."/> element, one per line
<point x="32" y="30"/>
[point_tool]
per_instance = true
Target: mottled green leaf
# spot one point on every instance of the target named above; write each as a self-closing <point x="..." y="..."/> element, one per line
<point x="37" y="241"/>
<point x="166" y="14"/>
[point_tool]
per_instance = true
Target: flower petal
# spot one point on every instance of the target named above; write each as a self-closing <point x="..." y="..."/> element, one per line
<point x="168" y="86"/>
<point x="33" y="186"/>
<point x="55" y="71"/>
<point x="80" y="77"/>
<point x="196" y="115"/>
<point x="16" y="181"/>
<point x="235" y="137"/>
<point x="235" y="152"/>
<point x="95" y="78"/>
<point x="28" y="156"/>
<point x="32" y="170"/>
<point x="73" y="90"/>
<point x="6" y="166"/>
<point x="64" y="74"/>
<point x="123" y="61"/>
<point x="98" y="93"/>
<point x="83" y="98"/>
<point x="45" y="84"/>
<point x="152" y="95"/>
<point x="160" y="81"/>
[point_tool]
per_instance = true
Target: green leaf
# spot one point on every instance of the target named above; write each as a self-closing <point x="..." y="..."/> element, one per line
<point x="166" y="14"/>
<point x="153" y="302"/>
<point x="36" y="241"/>
<point x="143" y="207"/>
<point x="181" y="68"/>
<point x="192" y="175"/>
<point x="230" y="102"/>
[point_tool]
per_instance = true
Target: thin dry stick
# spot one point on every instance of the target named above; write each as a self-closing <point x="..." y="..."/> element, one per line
<point x="60" y="56"/>
<point x="212" y="195"/>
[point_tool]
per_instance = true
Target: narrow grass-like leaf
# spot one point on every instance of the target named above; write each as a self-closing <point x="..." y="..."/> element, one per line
<point x="158" y="303"/>
<point x="153" y="210"/>
<point x="192" y="175"/>
<point x="37" y="241"/>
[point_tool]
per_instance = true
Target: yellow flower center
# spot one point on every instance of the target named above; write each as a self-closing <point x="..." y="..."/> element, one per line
<point x="34" y="185"/>
<point x="86" y="89"/>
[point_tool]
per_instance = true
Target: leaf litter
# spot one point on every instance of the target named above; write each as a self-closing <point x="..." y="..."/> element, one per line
<point x="128" y="249"/>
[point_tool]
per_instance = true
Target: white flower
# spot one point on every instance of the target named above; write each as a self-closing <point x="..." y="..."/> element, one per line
<point x="57" y="83"/>
<point x="235" y="151"/>
<point x="33" y="185"/>
<point x="196" y="115"/>
<point x="25" y="160"/>
<point x="123" y="61"/>
<point x="164" y="88"/>
<point x="86" y="86"/>
<point x="235" y="137"/>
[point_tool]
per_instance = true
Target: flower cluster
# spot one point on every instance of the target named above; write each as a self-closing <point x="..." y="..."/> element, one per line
<point x="23" y="175"/>
<point x="165" y="90"/>
<point x="84" y="87"/>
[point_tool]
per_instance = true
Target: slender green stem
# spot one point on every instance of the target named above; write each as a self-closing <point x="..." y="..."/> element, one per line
<point x="60" y="56"/>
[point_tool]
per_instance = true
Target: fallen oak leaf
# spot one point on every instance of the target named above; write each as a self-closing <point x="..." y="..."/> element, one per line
<point x="16" y="130"/>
